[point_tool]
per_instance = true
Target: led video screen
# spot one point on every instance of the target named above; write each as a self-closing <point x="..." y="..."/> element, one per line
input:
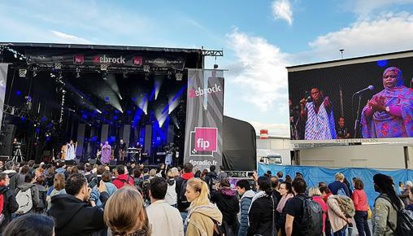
<point x="366" y="99"/>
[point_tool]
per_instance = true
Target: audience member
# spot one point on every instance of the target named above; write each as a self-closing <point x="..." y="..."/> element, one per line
<point x="123" y="178"/>
<point x="27" y="185"/>
<point x="338" y="187"/>
<point x="31" y="225"/>
<point x="361" y="205"/>
<point x="261" y="217"/>
<point x="385" y="215"/>
<point x="163" y="218"/>
<point x="73" y="212"/>
<point x="315" y="194"/>
<point x="287" y="193"/>
<point x="183" y="203"/>
<point x="127" y="219"/>
<point x="246" y="194"/>
<point x="15" y="179"/>
<point x="227" y="202"/>
<point x="203" y="215"/>
<point x="9" y="200"/>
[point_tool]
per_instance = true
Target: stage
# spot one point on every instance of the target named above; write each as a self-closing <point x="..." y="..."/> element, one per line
<point x="92" y="94"/>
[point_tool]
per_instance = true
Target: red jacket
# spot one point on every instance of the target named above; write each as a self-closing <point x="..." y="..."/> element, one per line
<point x="120" y="181"/>
<point x="360" y="200"/>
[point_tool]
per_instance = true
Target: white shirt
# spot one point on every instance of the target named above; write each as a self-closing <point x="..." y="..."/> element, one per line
<point x="164" y="219"/>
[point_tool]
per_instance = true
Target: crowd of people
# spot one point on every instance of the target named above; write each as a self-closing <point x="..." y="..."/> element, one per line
<point x="136" y="200"/>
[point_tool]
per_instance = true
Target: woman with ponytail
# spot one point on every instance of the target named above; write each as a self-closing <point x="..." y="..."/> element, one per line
<point x="202" y="213"/>
<point x="262" y="210"/>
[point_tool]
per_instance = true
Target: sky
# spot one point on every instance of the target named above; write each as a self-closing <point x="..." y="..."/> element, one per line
<point x="259" y="38"/>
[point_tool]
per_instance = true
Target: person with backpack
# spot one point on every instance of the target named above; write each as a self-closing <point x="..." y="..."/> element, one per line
<point x="227" y="202"/>
<point x="180" y="189"/>
<point x="315" y="195"/>
<point x="386" y="206"/>
<point x="123" y="178"/>
<point x="304" y="216"/>
<point x="338" y="187"/>
<point x="212" y="177"/>
<point x="262" y="210"/>
<point x="338" y="219"/>
<point x="204" y="218"/>
<point x="40" y="185"/>
<point x="8" y="203"/>
<point x="27" y="196"/>
<point x="244" y="190"/>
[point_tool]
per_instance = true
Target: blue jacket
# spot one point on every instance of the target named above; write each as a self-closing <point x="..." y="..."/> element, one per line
<point x="95" y="196"/>
<point x="336" y="185"/>
<point x="245" y="206"/>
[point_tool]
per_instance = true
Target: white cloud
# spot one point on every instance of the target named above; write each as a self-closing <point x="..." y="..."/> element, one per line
<point x="364" y="8"/>
<point x="256" y="83"/>
<point x="67" y="38"/>
<point x="387" y="33"/>
<point x="282" y="10"/>
<point x="260" y="68"/>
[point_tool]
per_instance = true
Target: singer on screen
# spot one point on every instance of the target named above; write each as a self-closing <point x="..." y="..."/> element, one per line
<point x="317" y="111"/>
<point x="389" y="113"/>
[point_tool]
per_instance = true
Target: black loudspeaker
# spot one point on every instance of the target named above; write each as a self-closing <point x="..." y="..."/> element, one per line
<point x="6" y="140"/>
<point x="80" y="140"/>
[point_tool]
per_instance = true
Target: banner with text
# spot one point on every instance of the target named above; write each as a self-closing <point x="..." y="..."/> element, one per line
<point x="204" y="118"/>
<point x="3" y="82"/>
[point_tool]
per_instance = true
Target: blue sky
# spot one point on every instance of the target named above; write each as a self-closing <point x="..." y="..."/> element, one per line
<point x="259" y="38"/>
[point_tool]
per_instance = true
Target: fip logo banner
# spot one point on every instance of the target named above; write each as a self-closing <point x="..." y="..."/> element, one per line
<point x="204" y="141"/>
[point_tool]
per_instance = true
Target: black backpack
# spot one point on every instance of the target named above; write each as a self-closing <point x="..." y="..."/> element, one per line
<point x="183" y="203"/>
<point x="311" y="222"/>
<point x="404" y="221"/>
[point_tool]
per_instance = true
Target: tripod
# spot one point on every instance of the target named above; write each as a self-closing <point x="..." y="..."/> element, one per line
<point x="17" y="155"/>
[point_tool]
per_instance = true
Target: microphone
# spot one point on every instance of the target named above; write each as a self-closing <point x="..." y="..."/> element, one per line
<point x="308" y="99"/>
<point x="370" y="87"/>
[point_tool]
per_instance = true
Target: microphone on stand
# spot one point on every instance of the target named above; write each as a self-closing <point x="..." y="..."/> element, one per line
<point x="370" y="87"/>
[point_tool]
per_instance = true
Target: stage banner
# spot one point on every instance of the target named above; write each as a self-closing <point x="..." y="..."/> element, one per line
<point x="204" y="118"/>
<point x="3" y="82"/>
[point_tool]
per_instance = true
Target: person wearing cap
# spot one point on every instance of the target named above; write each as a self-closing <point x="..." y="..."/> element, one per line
<point x="405" y="194"/>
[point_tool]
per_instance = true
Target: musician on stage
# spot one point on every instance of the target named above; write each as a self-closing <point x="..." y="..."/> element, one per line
<point x="122" y="150"/>
<point x="138" y="154"/>
<point x="106" y="152"/>
<point x="71" y="150"/>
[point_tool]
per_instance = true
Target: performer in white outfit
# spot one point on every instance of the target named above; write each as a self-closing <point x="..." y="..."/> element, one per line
<point x="71" y="150"/>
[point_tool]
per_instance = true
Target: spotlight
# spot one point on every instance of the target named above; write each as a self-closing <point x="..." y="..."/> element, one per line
<point x="215" y="66"/>
<point x="104" y="67"/>
<point x="98" y="111"/>
<point x="22" y="73"/>
<point x="178" y="76"/>
<point x="146" y="68"/>
<point x="58" y="66"/>
<point x="77" y="72"/>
